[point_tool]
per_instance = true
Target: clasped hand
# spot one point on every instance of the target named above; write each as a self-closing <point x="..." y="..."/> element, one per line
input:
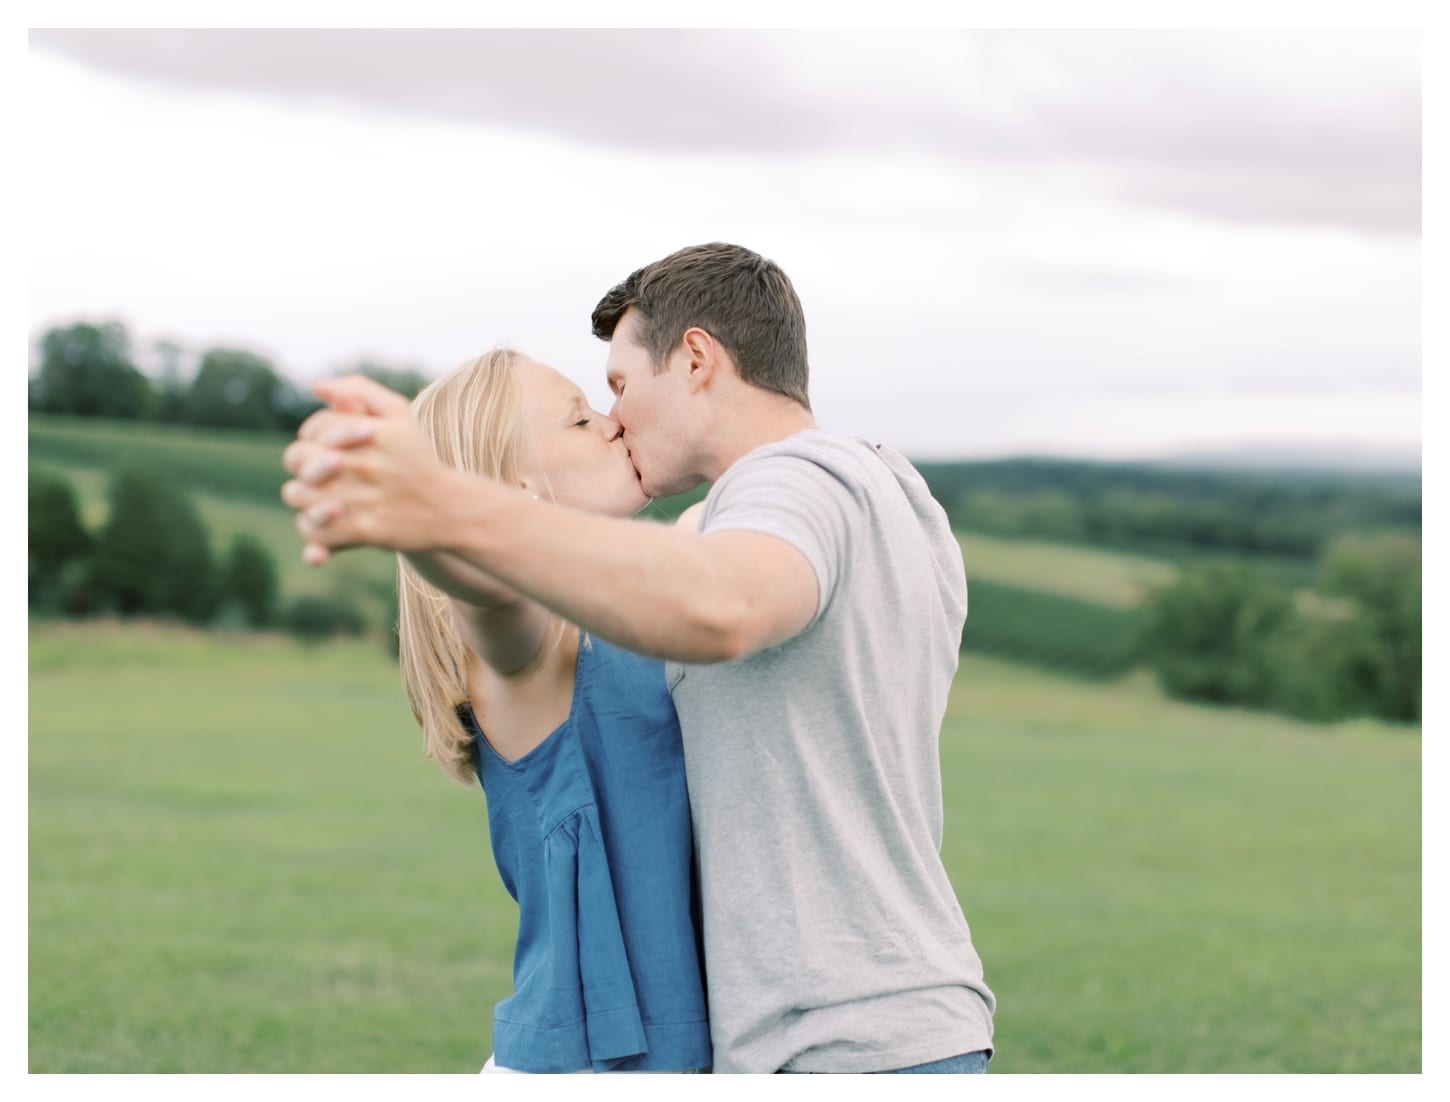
<point x="362" y="473"/>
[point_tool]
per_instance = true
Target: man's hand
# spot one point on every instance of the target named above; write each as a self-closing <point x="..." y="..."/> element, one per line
<point x="363" y="473"/>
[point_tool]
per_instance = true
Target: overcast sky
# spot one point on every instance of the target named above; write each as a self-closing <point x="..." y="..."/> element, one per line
<point x="1099" y="243"/>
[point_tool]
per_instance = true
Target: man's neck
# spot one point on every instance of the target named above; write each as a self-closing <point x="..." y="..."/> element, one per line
<point x="756" y="420"/>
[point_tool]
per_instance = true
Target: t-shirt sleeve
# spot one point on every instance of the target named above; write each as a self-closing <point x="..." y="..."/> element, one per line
<point x="796" y="500"/>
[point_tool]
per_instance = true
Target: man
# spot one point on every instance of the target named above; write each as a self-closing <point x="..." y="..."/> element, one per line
<point x="810" y="621"/>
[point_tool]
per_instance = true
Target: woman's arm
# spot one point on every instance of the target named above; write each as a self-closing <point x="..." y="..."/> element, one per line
<point x="460" y="579"/>
<point x="506" y="637"/>
<point x="505" y="630"/>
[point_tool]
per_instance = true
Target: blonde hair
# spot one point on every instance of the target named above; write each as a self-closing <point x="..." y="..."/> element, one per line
<point x="473" y="417"/>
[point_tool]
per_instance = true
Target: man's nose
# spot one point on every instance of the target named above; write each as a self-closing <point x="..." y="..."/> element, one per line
<point x="613" y="430"/>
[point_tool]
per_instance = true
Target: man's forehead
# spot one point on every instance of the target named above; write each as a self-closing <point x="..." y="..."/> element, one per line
<point x="627" y="331"/>
<point x="624" y="353"/>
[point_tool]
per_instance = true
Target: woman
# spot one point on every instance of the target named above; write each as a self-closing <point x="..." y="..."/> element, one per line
<point x="574" y="741"/>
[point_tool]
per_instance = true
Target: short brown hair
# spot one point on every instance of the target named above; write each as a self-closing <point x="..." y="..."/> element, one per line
<point x="741" y="299"/>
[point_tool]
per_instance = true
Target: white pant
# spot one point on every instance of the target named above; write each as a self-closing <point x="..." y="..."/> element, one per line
<point x="491" y="1068"/>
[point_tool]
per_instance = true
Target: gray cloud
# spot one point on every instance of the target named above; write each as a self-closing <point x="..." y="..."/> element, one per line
<point x="1287" y="127"/>
<point x="647" y="89"/>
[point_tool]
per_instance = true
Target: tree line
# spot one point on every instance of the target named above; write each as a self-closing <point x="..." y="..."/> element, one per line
<point x="1156" y="509"/>
<point x="89" y="370"/>
<point x="1236" y="627"/>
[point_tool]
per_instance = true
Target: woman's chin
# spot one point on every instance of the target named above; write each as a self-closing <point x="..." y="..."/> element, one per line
<point x="627" y="504"/>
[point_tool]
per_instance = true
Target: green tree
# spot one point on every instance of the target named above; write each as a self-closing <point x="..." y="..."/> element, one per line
<point x="58" y="542"/>
<point x="1381" y="654"/>
<point x="294" y="405"/>
<point x="249" y="580"/>
<point x="1217" y="632"/>
<point x="235" y="389"/>
<point x="172" y="384"/>
<point x="314" y="618"/>
<point x="86" y="371"/>
<point x="153" y="556"/>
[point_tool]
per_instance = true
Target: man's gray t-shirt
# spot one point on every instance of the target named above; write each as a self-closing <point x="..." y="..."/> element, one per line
<point x="833" y="938"/>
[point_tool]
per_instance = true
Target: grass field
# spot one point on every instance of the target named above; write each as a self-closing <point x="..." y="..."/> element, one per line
<point x="233" y="463"/>
<point x="1112" y="578"/>
<point x="239" y="861"/>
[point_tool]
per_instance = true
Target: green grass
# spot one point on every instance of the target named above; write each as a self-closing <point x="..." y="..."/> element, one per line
<point x="1114" y="578"/>
<point x="1082" y="638"/>
<point x="240" y="861"/>
<point x="228" y="462"/>
<point x="1158" y="887"/>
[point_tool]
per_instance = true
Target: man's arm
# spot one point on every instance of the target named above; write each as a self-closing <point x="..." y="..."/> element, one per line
<point x="667" y="592"/>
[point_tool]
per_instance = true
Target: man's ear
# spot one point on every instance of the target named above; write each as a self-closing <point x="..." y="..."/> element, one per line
<point x="702" y="353"/>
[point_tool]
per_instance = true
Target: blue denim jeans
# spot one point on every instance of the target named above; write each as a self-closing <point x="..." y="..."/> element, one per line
<point x="971" y="1063"/>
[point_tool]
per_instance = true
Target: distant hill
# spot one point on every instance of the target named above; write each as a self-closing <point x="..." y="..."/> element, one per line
<point x="1327" y="459"/>
<point x="1185" y="504"/>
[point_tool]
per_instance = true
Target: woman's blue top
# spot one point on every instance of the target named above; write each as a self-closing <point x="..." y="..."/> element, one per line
<point x="591" y="833"/>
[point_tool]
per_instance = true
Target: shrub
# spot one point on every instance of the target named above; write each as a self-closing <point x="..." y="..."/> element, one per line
<point x="315" y="618"/>
<point x="1230" y="634"/>
<point x="153" y="556"/>
<point x="249" y="580"/>
<point x="1217" y="633"/>
<point x="58" y="544"/>
<point x="1381" y="657"/>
